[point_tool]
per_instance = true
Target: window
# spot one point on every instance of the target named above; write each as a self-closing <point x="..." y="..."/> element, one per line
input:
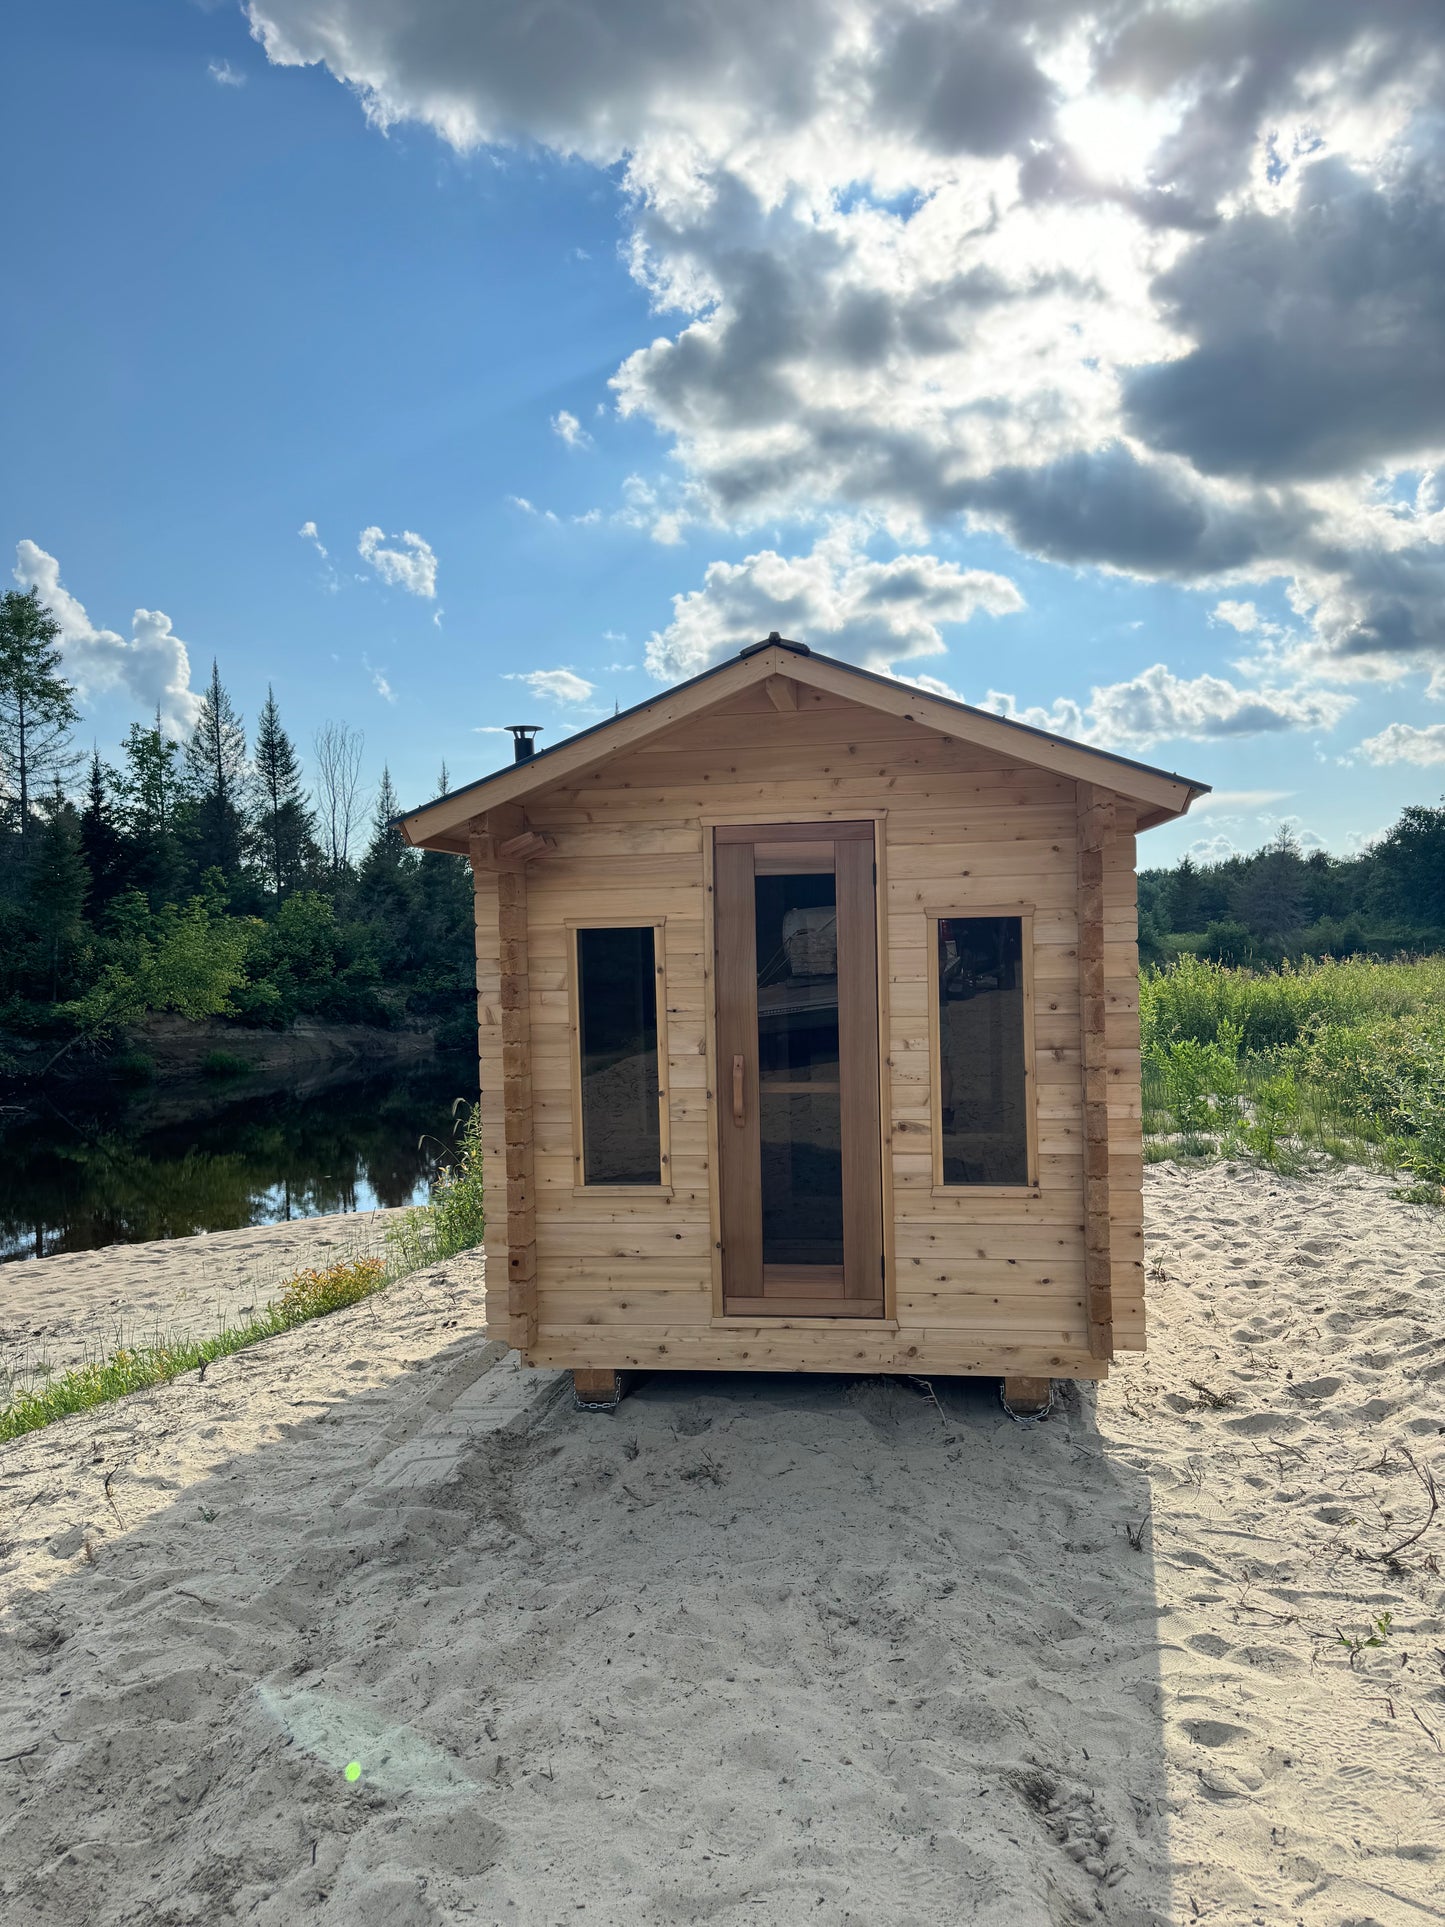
<point x="619" y="1109"/>
<point x="983" y="1101"/>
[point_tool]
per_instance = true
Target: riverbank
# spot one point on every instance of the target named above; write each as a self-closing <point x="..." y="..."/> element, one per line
<point x="167" y="1162"/>
<point x="757" y="1647"/>
<point x="182" y="1061"/>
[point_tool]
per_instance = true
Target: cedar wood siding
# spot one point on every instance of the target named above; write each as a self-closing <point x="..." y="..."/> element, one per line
<point x="988" y="1284"/>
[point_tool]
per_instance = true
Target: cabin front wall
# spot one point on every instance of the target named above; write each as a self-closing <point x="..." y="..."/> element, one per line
<point x="989" y="1283"/>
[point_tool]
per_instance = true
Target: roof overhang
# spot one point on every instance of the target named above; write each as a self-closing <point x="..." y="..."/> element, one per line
<point x="1159" y="795"/>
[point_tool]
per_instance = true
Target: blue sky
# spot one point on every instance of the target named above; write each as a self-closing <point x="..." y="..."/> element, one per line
<point x="239" y="306"/>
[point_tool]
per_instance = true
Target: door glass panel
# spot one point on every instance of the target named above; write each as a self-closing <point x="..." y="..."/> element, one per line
<point x="799" y="1112"/>
<point x="797" y="932"/>
<point x="981" y="1050"/>
<point x="617" y="1023"/>
<point x="802" y="1178"/>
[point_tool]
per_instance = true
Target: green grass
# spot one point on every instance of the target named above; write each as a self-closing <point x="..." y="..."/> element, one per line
<point x="455" y="1219"/>
<point x="1342" y="1060"/>
<point x="307" y="1295"/>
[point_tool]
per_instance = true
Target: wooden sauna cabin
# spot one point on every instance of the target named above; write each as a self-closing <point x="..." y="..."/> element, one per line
<point x="809" y="1032"/>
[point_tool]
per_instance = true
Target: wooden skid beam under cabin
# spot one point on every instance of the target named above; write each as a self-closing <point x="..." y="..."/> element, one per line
<point x="1095" y="814"/>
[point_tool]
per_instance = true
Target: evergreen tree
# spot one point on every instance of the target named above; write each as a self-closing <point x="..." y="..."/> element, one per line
<point x="387" y="854"/>
<point x="101" y="843"/>
<point x="1269" y="900"/>
<point x="385" y="891"/>
<point x="1183" y="901"/>
<point x="37" y="707"/>
<point x="150" y="789"/>
<point x="282" y="829"/>
<point x="215" y="771"/>
<point x="55" y="898"/>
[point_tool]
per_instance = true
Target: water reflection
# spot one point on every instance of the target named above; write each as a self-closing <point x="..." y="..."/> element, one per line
<point x="76" y="1179"/>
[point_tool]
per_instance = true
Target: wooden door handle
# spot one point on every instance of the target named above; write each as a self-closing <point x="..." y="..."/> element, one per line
<point x="738" y="1089"/>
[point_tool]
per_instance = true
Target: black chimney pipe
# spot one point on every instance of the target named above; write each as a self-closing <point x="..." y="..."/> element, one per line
<point x="523" y="747"/>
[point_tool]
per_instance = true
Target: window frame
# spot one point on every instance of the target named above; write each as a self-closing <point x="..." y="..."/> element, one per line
<point x="580" y="1187"/>
<point x="944" y="913"/>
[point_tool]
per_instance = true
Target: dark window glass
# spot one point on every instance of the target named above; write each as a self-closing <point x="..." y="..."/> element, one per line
<point x="981" y="1050"/>
<point x="617" y="1019"/>
<point x="802" y="1147"/>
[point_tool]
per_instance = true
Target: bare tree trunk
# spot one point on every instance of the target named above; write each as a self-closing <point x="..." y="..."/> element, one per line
<point x="338" y="788"/>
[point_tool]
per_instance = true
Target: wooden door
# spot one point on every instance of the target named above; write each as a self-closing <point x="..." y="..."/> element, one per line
<point x="801" y="1179"/>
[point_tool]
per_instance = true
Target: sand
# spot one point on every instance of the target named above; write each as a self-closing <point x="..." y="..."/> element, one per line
<point x="61" y="1311"/>
<point x="762" y="1649"/>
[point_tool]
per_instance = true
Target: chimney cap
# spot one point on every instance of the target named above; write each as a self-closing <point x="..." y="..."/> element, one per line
<point x="774" y="641"/>
<point x="522" y="734"/>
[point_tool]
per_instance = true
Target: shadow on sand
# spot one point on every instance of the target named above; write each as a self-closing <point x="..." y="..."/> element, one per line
<point x="759" y="1648"/>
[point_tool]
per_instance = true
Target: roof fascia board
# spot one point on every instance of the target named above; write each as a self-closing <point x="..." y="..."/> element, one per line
<point x="677" y="705"/>
<point x="440" y="825"/>
<point x="997" y="733"/>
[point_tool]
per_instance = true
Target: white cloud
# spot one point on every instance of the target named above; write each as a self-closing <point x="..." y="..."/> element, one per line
<point x="1243" y="802"/>
<point x="1241" y="616"/>
<point x="566" y="425"/>
<point x="412" y="567"/>
<point x="1404" y="743"/>
<point x="225" y="75"/>
<point x="153" y="668"/>
<point x="1157" y="705"/>
<point x="307" y="532"/>
<point x="530" y="508"/>
<point x="379" y="682"/>
<point x="557" y="685"/>
<point x="1212" y="849"/>
<point x="1065" y="718"/>
<point x="1112" y="281"/>
<point x="836" y="598"/>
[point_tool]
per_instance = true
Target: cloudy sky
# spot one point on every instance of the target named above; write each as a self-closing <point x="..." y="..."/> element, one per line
<point x="457" y="365"/>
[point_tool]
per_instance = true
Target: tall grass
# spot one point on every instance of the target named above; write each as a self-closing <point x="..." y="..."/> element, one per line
<point x="455" y="1219"/>
<point x="1344" y="1058"/>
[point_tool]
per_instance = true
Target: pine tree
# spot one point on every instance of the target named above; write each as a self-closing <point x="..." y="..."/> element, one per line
<point x="387" y="854"/>
<point x="1269" y="899"/>
<point x="55" y="897"/>
<point x="150" y="789"/>
<point x="282" y="829"/>
<point x="386" y="890"/>
<point x="37" y="706"/>
<point x="215" y="769"/>
<point x="1183" y="900"/>
<point x="101" y="843"/>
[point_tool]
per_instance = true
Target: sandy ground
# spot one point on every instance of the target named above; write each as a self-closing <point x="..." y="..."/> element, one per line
<point x="763" y="1649"/>
<point x="61" y="1311"/>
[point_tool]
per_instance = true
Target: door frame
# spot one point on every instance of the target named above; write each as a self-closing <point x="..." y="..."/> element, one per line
<point x="761" y="818"/>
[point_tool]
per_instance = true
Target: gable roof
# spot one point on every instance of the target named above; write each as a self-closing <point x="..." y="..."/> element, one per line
<point x="442" y="825"/>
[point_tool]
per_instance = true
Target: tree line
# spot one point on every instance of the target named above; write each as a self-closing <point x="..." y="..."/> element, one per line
<point x="1280" y="903"/>
<point x="204" y="874"/>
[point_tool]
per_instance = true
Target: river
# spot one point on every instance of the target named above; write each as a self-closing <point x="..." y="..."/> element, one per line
<point x="78" y="1175"/>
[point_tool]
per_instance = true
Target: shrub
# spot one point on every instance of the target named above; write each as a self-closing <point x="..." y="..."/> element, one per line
<point x="1275" y="1105"/>
<point x="310" y="1294"/>
<point x="1198" y="1079"/>
<point x="224" y="1063"/>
